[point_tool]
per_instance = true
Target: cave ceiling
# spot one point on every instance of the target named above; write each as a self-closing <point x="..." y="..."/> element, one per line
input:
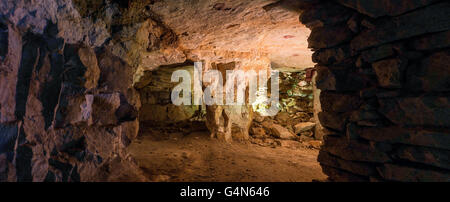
<point x="262" y="27"/>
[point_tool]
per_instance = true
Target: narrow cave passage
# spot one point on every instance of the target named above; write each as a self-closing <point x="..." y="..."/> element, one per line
<point x="224" y="142"/>
<point x="175" y="144"/>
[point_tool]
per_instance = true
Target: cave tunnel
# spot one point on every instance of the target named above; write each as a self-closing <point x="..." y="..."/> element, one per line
<point x="87" y="91"/>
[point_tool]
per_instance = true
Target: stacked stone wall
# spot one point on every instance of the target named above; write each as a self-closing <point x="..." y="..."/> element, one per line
<point x="384" y="71"/>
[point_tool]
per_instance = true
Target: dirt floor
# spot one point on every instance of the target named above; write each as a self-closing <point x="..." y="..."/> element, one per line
<point x="175" y="157"/>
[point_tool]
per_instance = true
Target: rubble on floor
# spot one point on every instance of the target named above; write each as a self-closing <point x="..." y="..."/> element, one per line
<point x="294" y="125"/>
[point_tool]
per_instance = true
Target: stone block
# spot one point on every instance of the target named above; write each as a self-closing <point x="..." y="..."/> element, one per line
<point x="358" y="168"/>
<point x="338" y="79"/>
<point x="324" y="14"/>
<point x="432" y="41"/>
<point x="335" y="121"/>
<point x="338" y="175"/>
<point x="353" y="150"/>
<point x="378" y="53"/>
<point x="430" y="156"/>
<point x="431" y="74"/>
<point x="389" y="72"/>
<point x="339" y="102"/>
<point x="303" y="127"/>
<point x="410" y="174"/>
<point x="417" y="111"/>
<point x="407" y="136"/>
<point x="329" y="36"/>
<point x="331" y="55"/>
<point x="430" y="19"/>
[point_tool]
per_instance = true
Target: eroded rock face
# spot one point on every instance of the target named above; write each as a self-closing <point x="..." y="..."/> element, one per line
<point x="61" y="117"/>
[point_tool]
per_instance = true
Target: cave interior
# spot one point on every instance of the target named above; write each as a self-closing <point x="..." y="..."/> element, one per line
<point x="88" y="90"/>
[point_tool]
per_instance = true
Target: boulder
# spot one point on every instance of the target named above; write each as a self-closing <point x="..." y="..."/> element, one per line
<point x="303" y="127"/>
<point x="104" y="109"/>
<point x="10" y="62"/>
<point x="279" y="131"/>
<point x="228" y="123"/>
<point x="258" y="132"/>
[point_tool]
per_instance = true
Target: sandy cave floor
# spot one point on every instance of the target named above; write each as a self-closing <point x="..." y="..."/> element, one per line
<point x="198" y="158"/>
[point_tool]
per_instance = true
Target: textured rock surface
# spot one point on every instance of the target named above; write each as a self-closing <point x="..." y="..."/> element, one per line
<point x="241" y="26"/>
<point x="61" y="119"/>
<point x="68" y="106"/>
<point x="385" y="100"/>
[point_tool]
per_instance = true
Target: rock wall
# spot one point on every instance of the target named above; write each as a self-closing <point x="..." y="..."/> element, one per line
<point x="384" y="75"/>
<point x="68" y="108"/>
<point x="157" y="108"/>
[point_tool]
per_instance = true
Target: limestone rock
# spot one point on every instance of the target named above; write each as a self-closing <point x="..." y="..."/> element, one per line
<point x="258" y="132"/>
<point x="203" y="25"/>
<point x="116" y="74"/>
<point x="315" y="144"/>
<point x="279" y="131"/>
<point x="303" y="127"/>
<point x="9" y="67"/>
<point x="358" y="168"/>
<point x="335" y="121"/>
<point x="74" y="110"/>
<point x="325" y="14"/>
<point x="104" y="109"/>
<point x="229" y="123"/>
